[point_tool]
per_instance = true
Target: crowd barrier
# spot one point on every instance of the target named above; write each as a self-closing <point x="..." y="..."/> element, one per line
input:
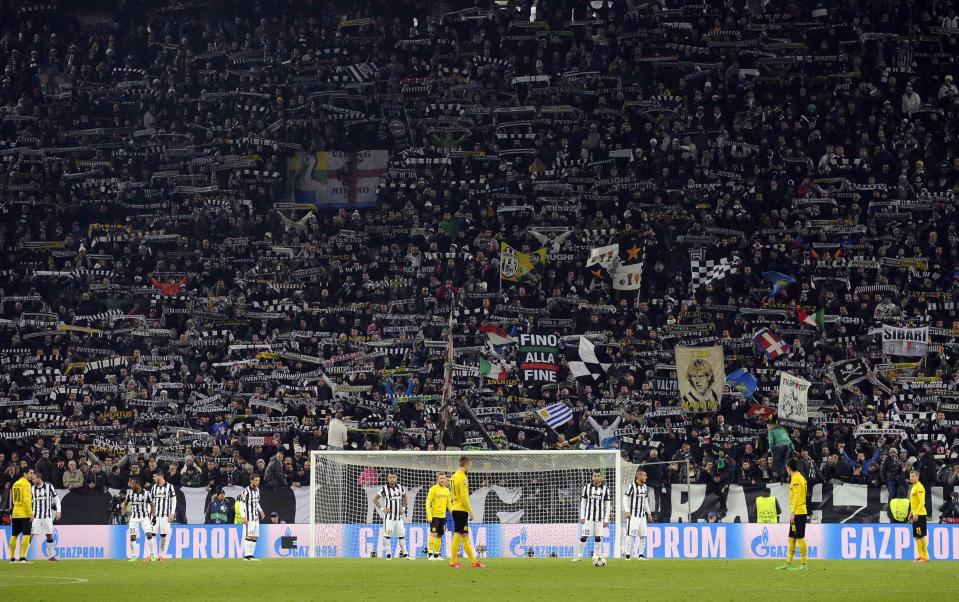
<point x="493" y="540"/>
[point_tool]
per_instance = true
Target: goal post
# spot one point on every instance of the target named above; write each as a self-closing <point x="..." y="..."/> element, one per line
<point x="656" y="498"/>
<point x="525" y="503"/>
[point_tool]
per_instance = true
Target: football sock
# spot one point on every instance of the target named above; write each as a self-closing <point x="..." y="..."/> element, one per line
<point x="402" y="545"/>
<point x="923" y="548"/>
<point x="24" y="545"/>
<point x="630" y="544"/>
<point x="803" y="550"/>
<point x="130" y="545"/>
<point x="457" y="539"/>
<point x="792" y="550"/>
<point x="642" y="546"/>
<point x="13" y="548"/>
<point x="581" y="548"/>
<point x="49" y="549"/>
<point x="383" y="545"/>
<point x="468" y="546"/>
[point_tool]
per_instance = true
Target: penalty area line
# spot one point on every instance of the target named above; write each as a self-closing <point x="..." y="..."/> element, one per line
<point x="32" y="579"/>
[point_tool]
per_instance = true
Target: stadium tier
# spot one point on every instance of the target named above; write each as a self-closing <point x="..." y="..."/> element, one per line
<point x="472" y="282"/>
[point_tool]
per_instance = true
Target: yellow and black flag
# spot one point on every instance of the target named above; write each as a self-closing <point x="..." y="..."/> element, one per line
<point x="518" y="267"/>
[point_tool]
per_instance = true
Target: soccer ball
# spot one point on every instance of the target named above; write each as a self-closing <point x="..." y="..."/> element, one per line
<point x="599" y="562"/>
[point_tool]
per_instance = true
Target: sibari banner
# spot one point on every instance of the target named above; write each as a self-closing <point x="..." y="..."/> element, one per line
<point x="722" y="541"/>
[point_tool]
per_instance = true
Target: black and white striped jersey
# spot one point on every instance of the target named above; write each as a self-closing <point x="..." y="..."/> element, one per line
<point x="392" y="498"/>
<point x="638" y="496"/>
<point x="249" y="500"/>
<point x="595" y="503"/>
<point x="164" y="499"/>
<point x="138" y="504"/>
<point x="46" y="503"/>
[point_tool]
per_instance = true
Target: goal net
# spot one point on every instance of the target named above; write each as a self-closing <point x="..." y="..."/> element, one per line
<point x="525" y="504"/>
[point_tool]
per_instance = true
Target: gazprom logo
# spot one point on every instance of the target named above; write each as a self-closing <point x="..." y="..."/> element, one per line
<point x="760" y="544"/>
<point x="518" y="548"/>
<point x="517" y="545"/>
<point x="76" y="551"/>
<point x="761" y="549"/>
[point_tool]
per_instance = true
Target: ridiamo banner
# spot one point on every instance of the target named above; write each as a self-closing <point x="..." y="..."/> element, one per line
<point x="722" y="541"/>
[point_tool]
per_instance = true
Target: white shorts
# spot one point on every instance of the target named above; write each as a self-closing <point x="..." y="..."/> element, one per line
<point x="394" y="528"/>
<point x="636" y="526"/>
<point x="42" y="526"/>
<point x="251" y="529"/>
<point x="140" y="523"/>
<point x="592" y="528"/>
<point x="160" y="526"/>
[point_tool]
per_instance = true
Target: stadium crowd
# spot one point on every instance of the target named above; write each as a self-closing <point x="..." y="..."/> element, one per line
<point x="165" y="306"/>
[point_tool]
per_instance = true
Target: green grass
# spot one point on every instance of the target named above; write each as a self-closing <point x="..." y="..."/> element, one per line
<point x="545" y="579"/>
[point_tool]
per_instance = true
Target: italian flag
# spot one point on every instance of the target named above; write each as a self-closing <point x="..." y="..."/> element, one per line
<point x="496" y="335"/>
<point x="495" y="370"/>
<point x="817" y="319"/>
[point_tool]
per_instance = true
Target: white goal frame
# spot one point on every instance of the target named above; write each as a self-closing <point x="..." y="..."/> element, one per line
<point x="612" y="458"/>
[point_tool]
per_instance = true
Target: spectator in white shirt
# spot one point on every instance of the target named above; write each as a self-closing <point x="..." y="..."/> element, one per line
<point x="337" y="435"/>
<point x="910" y="100"/>
<point x="951" y="21"/>
<point x="948" y="89"/>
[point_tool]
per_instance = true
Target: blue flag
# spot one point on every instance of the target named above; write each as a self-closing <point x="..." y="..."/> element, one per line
<point x="743" y="382"/>
<point x="779" y="281"/>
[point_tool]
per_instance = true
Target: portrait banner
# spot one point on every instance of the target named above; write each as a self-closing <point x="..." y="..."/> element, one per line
<point x="701" y="375"/>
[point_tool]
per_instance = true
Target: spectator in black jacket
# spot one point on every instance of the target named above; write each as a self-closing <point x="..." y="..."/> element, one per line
<point x="95" y="480"/>
<point x="274" y="476"/>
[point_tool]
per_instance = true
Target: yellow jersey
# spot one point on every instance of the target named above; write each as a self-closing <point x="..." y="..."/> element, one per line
<point x="438" y="502"/>
<point x="461" y="491"/>
<point x="917" y="499"/>
<point x="22" y="494"/>
<point x="797" y="494"/>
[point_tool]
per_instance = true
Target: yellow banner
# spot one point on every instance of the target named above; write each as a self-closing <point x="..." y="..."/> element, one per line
<point x="515" y="266"/>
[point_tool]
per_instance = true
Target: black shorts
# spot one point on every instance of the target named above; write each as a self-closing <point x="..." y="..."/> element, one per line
<point x="21" y="526"/>
<point x="438" y="526"/>
<point x="797" y="530"/>
<point x="461" y="520"/>
<point x="919" y="528"/>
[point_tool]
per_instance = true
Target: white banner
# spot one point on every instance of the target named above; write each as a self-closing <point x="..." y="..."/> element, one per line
<point x="793" y="399"/>
<point x="910" y="342"/>
<point x="603" y="256"/>
<point x="628" y="277"/>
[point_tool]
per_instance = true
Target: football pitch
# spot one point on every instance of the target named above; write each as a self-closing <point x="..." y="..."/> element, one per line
<point x="514" y="579"/>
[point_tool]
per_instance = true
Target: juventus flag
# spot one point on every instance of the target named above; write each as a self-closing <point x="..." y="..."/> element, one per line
<point x="586" y="361"/>
<point x="603" y="256"/>
<point x="537" y="359"/>
<point x="628" y="277"/>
